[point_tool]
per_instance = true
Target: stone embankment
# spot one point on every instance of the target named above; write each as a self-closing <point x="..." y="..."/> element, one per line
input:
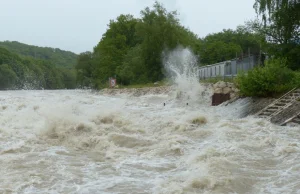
<point x="138" y="91"/>
<point x="222" y="87"/>
<point x="219" y="87"/>
<point x="249" y="107"/>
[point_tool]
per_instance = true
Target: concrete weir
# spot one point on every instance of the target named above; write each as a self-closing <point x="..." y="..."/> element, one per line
<point x="283" y="110"/>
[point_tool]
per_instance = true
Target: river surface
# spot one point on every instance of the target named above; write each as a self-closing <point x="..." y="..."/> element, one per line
<point x="79" y="141"/>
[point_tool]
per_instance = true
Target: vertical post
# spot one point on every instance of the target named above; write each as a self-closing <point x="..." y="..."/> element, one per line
<point x="260" y="62"/>
<point x="249" y="51"/>
<point x="250" y="66"/>
<point x="231" y="69"/>
<point x="236" y="68"/>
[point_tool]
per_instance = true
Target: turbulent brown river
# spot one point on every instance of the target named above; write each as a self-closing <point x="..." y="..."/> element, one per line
<point x="80" y="141"/>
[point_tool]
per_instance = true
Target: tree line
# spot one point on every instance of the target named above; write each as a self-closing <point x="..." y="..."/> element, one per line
<point x="58" y="57"/>
<point x="25" y="72"/>
<point x="131" y="48"/>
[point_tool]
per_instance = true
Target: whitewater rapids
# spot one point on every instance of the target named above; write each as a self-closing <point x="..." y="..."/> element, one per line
<point x="83" y="142"/>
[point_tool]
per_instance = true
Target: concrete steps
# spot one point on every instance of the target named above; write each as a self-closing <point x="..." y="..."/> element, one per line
<point x="295" y="119"/>
<point x="279" y="105"/>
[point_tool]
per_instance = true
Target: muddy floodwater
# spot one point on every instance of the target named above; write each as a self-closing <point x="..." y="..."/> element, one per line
<point x="79" y="141"/>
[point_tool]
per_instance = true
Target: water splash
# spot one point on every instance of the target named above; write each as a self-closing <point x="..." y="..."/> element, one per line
<point x="181" y="67"/>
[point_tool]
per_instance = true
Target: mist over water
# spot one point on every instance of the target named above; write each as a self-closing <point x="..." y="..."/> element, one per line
<point x="81" y="141"/>
<point x="181" y="66"/>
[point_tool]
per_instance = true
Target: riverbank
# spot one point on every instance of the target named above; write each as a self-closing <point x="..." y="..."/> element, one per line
<point x="137" y="91"/>
<point x="251" y="105"/>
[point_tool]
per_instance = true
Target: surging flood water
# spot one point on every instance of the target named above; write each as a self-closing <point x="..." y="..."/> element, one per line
<point x="84" y="142"/>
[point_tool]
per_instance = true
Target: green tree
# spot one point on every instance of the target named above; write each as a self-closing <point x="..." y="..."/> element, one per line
<point x="282" y="19"/>
<point x="160" y="30"/>
<point x="84" y="69"/>
<point x="219" y="51"/>
<point x="133" y="69"/>
<point x="157" y="30"/>
<point x="8" y="77"/>
<point x="281" y="25"/>
<point x="69" y="78"/>
<point x="112" y="48"/>
<point x="228" y="44"/>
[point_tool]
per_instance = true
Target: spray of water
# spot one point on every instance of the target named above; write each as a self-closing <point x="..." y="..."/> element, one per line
<point x="181" y="67"/>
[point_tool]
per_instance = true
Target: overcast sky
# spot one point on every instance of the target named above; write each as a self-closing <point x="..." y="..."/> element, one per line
<point x="77" y="25"/>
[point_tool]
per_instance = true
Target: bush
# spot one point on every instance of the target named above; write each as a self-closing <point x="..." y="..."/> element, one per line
<point x="269" y="80"/>
<point x="297" y="79"/>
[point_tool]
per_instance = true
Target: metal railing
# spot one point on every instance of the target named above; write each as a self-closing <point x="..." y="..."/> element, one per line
<point x="227" y="69"/>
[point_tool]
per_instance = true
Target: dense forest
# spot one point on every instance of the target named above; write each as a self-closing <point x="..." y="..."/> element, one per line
<point x="26" y="72"/>
<point x="59" y="58"/>
<point x="131" y="48"/>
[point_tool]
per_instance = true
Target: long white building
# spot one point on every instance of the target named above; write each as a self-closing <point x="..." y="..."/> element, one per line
<point x="227" y="68"/>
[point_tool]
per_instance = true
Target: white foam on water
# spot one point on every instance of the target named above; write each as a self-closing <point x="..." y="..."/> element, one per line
<point x="143" y="141"/>
<point x="82" y="142"/>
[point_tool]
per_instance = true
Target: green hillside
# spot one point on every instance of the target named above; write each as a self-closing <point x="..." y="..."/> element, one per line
<point x="56" y="56"/>
<point x="18" y="72"/>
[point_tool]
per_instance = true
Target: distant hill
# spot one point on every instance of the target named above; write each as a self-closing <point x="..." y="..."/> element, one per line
<point x="19" y="72"/>
<point x="56" y="56"/>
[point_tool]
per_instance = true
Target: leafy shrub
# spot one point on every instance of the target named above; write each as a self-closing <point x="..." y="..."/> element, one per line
<point x="297" y="79"/>
<point x="268" y="80"/>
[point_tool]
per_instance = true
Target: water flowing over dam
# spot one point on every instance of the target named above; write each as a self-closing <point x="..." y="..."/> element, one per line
<point x="82" y="141"/>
